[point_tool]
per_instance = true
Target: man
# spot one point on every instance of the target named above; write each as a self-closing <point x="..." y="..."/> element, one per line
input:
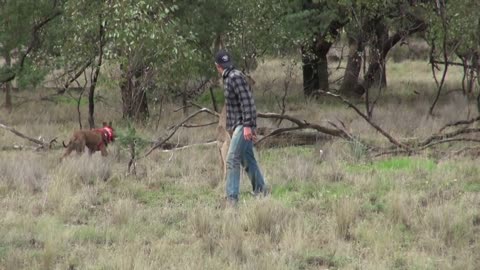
<point x="241" y="124"/>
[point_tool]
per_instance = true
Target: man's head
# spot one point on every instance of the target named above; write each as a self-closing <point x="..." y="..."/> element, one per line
<point x="223" y="60"/>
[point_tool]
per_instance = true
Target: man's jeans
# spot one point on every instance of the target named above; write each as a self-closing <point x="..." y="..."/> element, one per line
<point x="241" y="153"/>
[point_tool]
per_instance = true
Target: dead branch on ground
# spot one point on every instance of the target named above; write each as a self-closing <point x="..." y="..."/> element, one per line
<point x="41" y="144"/>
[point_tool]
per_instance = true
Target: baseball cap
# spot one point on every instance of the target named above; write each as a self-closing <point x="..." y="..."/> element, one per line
<point x="224" y="59"/>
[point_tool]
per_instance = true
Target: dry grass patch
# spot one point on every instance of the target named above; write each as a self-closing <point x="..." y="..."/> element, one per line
<point x="87" y="169"/>
<point x="346" y="211"/>
<point x="269" y="218"/>
<point x="28" y="173"/>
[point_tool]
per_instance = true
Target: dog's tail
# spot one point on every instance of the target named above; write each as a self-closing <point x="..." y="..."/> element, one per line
<point x="65" y="146"/>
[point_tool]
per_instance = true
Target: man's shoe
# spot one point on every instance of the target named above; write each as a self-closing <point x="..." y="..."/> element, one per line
<point x="231" y="203"/>
<point x="264" y="192"/>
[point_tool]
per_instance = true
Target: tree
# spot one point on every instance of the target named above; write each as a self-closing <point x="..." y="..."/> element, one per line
<point x="21" y="23"/>
<point x="377" y="25"/>
<point x="139" y="37"/>
<point x="454" y="30"/>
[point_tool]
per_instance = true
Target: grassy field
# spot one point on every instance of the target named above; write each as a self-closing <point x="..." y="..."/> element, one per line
<point x="339" y="210"/>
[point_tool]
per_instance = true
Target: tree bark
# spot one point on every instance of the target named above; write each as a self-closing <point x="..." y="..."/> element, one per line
<point x="378" y="66"/>
<point x="377" y="57"/>
<point x="322" y="67"/>
<point x="315" y="66"/>
<point x="134" y="97"/>
<point x="354" y="64"/>
<point x="311" y="79"/>
<point x="8" y="85"/>
<point x="96" y="72"/>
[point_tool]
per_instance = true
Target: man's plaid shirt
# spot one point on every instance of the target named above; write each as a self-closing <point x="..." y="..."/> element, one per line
<point x="241" y="108"/>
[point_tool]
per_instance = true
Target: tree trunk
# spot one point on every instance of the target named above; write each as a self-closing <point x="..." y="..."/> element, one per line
<point x="91" y="106"/>
<point x="473" y="70"/>
<point x="311" y="80"/>
<point x="315" y="68"/>
<point x="8" y="86"/>
<point x="134" y="97"/>
<point x="350" y="86"/>
<point x="377" y="56"/>
<point x="322" y="66"/>
<point x="385" y="44"/>
<point x="96" y="72"/>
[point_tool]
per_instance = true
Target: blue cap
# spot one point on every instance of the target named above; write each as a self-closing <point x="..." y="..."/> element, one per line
<point x="224" y="59"/>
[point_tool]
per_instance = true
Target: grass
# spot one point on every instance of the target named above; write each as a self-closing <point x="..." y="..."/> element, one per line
<point x="334" y="209"/>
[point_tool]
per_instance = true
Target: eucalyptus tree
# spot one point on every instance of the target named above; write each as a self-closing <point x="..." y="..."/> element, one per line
<point x="21" y="25"/>
<point x="454" y="32"/>
<point x="140" y="38"/>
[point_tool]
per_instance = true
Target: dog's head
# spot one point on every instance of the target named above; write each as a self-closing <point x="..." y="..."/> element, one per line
<point x="110" y="131"/>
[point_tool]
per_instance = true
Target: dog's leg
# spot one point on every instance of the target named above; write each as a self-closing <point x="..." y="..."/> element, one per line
<point x="80" y="146"/>
<point x="103" y="150"/>
<point x="69" y="150"/>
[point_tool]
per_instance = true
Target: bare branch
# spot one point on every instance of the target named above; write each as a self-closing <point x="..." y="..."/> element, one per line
<point x="74" y="77"/>
<point x="33" y="41"/>
<point x="304" y="124"/>
<point x="277" y="132"/>
<point x="448" y="135"/>
<point x="378" y="128"/>
<point x="449" y="140"/>
<point x="189" y="146"/>
<point x="197" y="125"/>
<point x="458" y="123"/>
<point x="174" y="130"/>
<point x="14" y="131"/>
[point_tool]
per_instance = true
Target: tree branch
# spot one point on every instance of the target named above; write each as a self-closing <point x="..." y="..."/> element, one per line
<point x="174" y="130"/>
<point x="33" y="41"/>
<point x="375" y="126"/>
<point x="14" y="131"/>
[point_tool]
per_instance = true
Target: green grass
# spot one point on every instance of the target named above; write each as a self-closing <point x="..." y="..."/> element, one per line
<point x="472" y="187"/>
<point x="171" y="194"/>
<point x="89" y="234"/>
<point x="318" y="259"/>
<point x="295" y="193"/>
<point x="395" y="164"/>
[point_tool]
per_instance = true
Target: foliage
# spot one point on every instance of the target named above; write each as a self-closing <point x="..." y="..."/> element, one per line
<point x="462" y="27"/>
<point x="17" y="22"/>
<point x="127" y="137"/>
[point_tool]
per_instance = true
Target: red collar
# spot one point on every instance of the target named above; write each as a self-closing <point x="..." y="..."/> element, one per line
<point x="107" y="135"/>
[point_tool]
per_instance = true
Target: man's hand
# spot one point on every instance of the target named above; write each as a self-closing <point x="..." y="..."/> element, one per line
<point x="247" y="133"/>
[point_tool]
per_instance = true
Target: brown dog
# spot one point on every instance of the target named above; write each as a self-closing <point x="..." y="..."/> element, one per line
<point x="94" y="140"/>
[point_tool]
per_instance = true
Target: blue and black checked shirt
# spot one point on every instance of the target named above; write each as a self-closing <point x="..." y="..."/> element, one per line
<point x="241" y="108"/>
